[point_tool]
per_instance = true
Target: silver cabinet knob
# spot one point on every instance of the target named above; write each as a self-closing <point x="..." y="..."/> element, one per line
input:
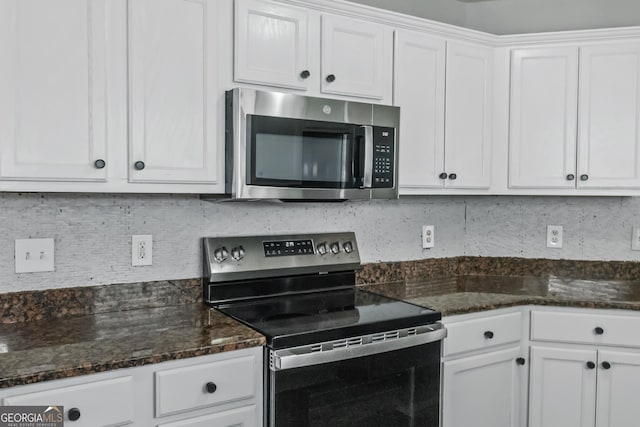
<point x="237" y="253"/>
<point x="348" y="247"/>
<point x="335" y="247"/>
<point x="221" y="254"/>
<point x="322" y="248"/>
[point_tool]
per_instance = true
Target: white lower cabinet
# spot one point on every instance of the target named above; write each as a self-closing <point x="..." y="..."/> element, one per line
<point x="221" y="390"/>
<point x="617" y="393"/>
<point x="483" y="390"/>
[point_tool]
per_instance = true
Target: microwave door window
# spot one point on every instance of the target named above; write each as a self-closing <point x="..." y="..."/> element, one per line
<point x="301" y="154"/>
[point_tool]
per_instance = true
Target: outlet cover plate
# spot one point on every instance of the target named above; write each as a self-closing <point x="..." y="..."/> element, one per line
<point x="635" y="239"/>
<point x="428" y="236"/>
<point x="34" y="255"/>
<point x="554" y="236"/>
<point x="141" y="250"/>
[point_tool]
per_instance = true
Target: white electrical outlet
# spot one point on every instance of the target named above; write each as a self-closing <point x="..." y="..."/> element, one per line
<point x="142" y="250"/>
<point x="554" y="236"/>
<point x="34" y="255"/>
<point x="428" y="236"/>
<point x="635" y="239"/>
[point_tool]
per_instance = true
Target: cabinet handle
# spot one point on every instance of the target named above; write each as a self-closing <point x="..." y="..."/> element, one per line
<point x="210" y="387"/>
<point x="305" y="74"/>
<point x="520" y="361"/>
<point x="571" y="177"/>
<point x="73" y="414"/>
<point x="598" y="331"/>
<point x="100" y="164"/>
<point x="139" y="165"/>
<point x="584" y="177"/>
<point x="488" y="335"/>
<point x="452" y="176"/>
<point x="606" y="365"/>
<point x="331" y="78"/>
<point x="443" y="175"/>
<point x="591" y="365"/>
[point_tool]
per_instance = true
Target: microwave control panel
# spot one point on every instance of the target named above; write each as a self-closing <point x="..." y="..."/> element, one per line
<point x="383" y="157"/>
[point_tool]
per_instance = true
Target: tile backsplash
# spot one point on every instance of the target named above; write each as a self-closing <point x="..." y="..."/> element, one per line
<point x="92" y="232"/>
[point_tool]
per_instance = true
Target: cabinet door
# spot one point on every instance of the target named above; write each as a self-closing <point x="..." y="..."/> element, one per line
<point x="617" y="400"/>
<point x="357" y="58"/>
<point x="468" y="116"/>
<point x="609" y="134"/>
<point x="419" y="92"/>
<point x="173" y="84"/>
<point x="542" y="140"/>
<point x="245" y="416"/>
<point x="484" y="391"/>
<point x="563" y="388"/>
<point x="52" y="90"/>
<point x="271" y="44"/>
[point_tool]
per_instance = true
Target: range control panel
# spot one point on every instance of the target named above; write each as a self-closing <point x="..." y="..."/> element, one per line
<point x="249" y="257"/>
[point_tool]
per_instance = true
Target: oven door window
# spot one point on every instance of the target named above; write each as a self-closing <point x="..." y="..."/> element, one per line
<point x="303" y="153"/>
<point x="394" y="389"/>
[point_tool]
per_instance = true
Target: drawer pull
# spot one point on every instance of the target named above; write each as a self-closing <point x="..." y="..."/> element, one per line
<point x="591" y="365"/>
<point x="139" y="165"/>
<point x="488" y="335"/>
<point x="606" y="365"/>
<point x="520" y="361"/>
<point x="73" y="414"/>
<point x="211" y="387"/>
<point x="598" y="331"/>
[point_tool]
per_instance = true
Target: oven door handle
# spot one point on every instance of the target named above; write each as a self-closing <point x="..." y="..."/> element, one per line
<point x="299" y="357"/>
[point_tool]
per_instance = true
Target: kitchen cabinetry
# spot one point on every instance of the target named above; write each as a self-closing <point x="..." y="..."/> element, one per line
<point x="484" y="371"/>
<point x="445" y="133"/>
<point x="173" y="91"/>
<point x="294" y="48"/>
<point x="223" y="390"/>
<point x="53" y="90"/>
<point x="575" y="126"/>
<point x="588" y="385"/>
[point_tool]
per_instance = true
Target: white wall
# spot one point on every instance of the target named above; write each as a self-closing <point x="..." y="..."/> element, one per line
<point x="92" y="232"/>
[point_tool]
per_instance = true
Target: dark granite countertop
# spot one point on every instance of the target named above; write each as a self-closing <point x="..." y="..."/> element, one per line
<point x="48" y="349"/>
<point x="468" y="294"/>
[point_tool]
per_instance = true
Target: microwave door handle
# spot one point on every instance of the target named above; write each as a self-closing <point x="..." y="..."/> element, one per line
<point x="367" y="180"/>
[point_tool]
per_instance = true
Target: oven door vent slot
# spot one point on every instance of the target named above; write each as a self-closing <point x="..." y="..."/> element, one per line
<point x="353" y="342"/>
<point x="412" y="331"/>
<point x="340" y="344"/>
<point x="394" y="335"/>
<point x="316" y="348"/>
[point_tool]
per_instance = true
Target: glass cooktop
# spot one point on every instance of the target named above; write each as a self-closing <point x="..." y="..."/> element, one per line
<point x="290" y="321"/>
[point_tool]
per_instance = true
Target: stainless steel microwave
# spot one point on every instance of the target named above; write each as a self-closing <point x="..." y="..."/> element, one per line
<point x="292" y="147"/>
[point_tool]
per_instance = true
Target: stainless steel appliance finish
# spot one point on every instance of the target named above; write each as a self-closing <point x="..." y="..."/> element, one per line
<point x="244" y="104"/>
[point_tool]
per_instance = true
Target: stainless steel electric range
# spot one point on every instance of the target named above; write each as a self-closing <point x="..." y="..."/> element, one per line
<point x="336" y="355"/>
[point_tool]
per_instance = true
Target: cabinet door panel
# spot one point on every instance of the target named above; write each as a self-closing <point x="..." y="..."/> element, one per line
<point x="484" y="390"/>
<point x="419" y="92"/>
<point x="617" y="400"/>
<point x="563" y="389"/>
<point x="271" y="44"/>
<point x="242" y="417"/>
<point x="173" y="90"/>
<point x="52" y="89"/>
<point x="359" y="54"/>
<point x="468" y="115"/>
<point x="609" y="136"/>
<point x="542" y="141"/>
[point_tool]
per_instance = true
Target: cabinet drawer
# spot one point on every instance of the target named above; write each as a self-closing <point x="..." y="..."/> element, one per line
<point x="247" y="416"/>
<point x="585" y="328"/>
<point x="184" y="389"/>
<point x="477" y="334"/>
<point x="101" y="403"/>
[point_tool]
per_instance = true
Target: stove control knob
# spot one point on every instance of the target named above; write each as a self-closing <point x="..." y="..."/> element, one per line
<point x="221" y="254"/>
<point x="348" y="247"/>
<point x="322" y="248"/>
<point x="237" y="253"/>
<point x="335" y="247"/>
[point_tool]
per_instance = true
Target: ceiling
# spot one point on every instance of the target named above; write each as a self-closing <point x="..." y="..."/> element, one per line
<point x="520" y="16"/>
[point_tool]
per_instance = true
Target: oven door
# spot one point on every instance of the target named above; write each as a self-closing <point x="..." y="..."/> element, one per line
<point x="395" y="387"/>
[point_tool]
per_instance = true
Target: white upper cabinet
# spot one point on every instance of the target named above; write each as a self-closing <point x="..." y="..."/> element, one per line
<point x="609" y="116"/>
<point x="419" y="92"/>
<point x="173" y="91"/>
<point x="53" y="90"/>
<point x="271" y="44"/>
<point x="542" y="142"/>
<point x="357" y="58"/>
<point x="468" y="116"/>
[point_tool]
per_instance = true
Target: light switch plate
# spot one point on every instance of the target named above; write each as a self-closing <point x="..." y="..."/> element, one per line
<point x="34" y="255"/>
